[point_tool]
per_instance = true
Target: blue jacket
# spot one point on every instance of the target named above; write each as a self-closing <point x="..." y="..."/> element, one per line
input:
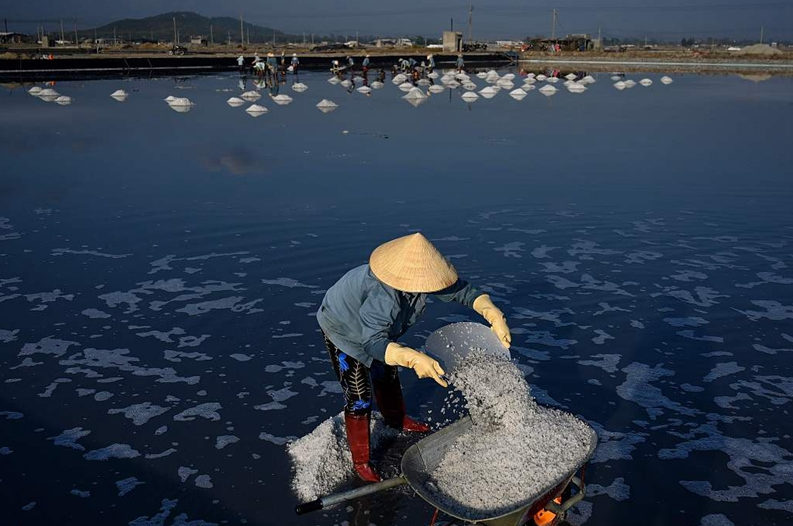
<point x="361" y="315"/>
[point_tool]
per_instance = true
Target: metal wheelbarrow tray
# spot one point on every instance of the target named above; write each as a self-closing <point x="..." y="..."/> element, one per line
<point x="421" y="459"/>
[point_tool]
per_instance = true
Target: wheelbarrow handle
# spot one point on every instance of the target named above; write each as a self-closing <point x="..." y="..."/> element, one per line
<point x="330" y="500"/>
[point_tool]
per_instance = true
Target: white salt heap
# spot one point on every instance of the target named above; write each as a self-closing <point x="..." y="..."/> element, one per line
<point x="515" y="449"/>
<point x="322" y="459"/>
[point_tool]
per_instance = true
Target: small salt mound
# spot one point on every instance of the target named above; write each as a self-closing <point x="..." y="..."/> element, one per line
<point x="346" y="83"/>
<point x="646" y="82"/>
<point x="529" y="80"/>
<point x="453" y="84"/>
<point x="299" y="87"/>
<point x="415" y="93"/>
<point x="364" y="89"/>
<point x="436" y="89"/>
<point x="469" y="96"/>
<point x="169" y="99"/>
<point x="63" y="100"/>
<point x="377" y="85"/>
<point x="334" y="80"/>
<point x="616" y="78"/>
<point x="256" y="110"/>
<point x="433" y="75"/>
<point x="399" y="79"/>
<point x="589" y="79"/>
<point x="630" y="83"/>
<point x="515" y="448"/>
<point x="423" y="82"/>
<point x="620" y="85"/>
<point x="666" y="80"/>
<point x="322" y="460"/>
<point x="35" y="90"/>
<point x="571" y="76"/>
<point x="548" y="90"/>
<point x="518" y="94"/>
<point x="509" y="76"/>
<point x="49" y="92"/>
<point x="180" y="101"/>
<point x="481" y="75"/>
<point x="120" y="95"/>
<point x="505" y="84"/>
<point x="552" y="80"/>
<point x="469" y="86"/>
<point x="489" y="92"/>
<point x="327" y="106"/>
<point x="406" y="86"/>
<point x="282" y="100"/>
<point x="251" y="96"/>
<point x="541" y="78"/>
<point x="235" y="102"/>
<point x="576" y="87"/>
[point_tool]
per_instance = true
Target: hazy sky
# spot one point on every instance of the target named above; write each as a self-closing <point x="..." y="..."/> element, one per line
<point x="492" y="18"/>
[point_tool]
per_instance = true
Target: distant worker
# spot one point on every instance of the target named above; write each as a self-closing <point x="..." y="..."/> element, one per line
<point x="460" y="64"/>
<point x="366" y="65"/>
<point x="295" y="63"/>
<point x="430" y="62"/>
<point x="241" y="64"/>
<point x="272" y="64"/>
<point x="350" y="63"/>
<point x="404" y="65"/>
<point x="411" y="63"/>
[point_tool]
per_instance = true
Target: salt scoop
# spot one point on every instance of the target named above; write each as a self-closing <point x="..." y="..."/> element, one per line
<point x="452" y="343"/>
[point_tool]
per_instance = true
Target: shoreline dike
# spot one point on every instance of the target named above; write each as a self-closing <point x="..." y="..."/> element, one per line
<point x="64" y="66"/>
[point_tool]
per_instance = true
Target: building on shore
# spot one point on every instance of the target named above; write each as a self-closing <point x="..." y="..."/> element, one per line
<point x="452" y="41"/>
<point x="580" y="42"/>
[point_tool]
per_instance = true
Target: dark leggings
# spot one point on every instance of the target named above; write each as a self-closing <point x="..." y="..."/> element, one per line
<point x="354" y="378"/>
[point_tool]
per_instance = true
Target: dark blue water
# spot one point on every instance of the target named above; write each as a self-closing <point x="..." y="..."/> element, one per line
<point x="153" y="264"/>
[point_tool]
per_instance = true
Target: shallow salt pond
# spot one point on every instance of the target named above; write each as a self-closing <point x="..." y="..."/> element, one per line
<point x="159" y="272"/>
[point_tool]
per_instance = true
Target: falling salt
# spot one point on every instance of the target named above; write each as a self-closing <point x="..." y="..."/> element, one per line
<point x="515" y="449"/>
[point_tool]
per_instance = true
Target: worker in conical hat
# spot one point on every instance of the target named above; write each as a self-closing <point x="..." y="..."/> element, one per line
<point x="364" y="314"/>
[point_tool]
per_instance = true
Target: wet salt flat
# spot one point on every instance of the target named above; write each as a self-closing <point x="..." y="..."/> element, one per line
<point x="159" y="272"/>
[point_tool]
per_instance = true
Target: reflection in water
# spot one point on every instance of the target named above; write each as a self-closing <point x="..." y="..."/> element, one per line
<point x="238" y="161"/>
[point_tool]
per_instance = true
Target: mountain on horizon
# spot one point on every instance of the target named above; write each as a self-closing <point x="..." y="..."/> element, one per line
<point x="161" y="28"/>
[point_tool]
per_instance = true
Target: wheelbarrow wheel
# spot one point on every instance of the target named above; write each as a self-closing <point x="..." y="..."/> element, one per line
<point x="547" y="517"/>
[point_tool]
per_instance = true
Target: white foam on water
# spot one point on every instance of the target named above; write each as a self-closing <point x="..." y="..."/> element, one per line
<point x="207" y="410"/>
<point x="112" y="451"/>
<point x="159" y="519"/>
<point x="617" y="490"/>
<point x="140" y="413"/>
<point x="224" y="440"/>
<point x="70" y="437"/>
<point x="204" y="481"/>
<point x="126" y="485"/>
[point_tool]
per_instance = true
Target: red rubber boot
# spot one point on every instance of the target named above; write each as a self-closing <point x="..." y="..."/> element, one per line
<point x="392" y="407"/>
<point x="358" y="438"/>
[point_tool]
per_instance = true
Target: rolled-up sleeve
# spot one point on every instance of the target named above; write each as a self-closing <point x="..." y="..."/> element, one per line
<point x="461" y="292"/>
<point x="377" y="317"/>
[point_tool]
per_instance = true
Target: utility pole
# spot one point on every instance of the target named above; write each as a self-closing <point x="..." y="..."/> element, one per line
<point x="273" y="37"/>
<point x="77" y="42"/>
<point x="115" y="42"/>
<point x="470" y="22"/>
<point x="600" y="38"/>
<point x="62" y="37"/>
<point x="553" y="26"/>
<point x="304" y="38"/>
<point x="175" y="38"/>
<point x="312" y="39"/>
<point x="211" y="35"/>
<point x="452" y="29"/>
<point x="242" y="32"/>
<point x="762" y="30"/>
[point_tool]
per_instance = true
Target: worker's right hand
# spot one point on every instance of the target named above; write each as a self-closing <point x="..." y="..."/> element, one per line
<point x="422" y="365"/>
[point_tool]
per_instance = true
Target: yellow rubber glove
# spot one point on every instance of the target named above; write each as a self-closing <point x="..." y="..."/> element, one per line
<point x="494" y="317"/>
<point x="422" y="365"/>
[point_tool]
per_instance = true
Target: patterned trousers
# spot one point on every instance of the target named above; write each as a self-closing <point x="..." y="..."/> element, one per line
<point x="355" y="378"/>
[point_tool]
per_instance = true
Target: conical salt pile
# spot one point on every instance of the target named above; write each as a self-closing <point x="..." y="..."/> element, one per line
<point x="235" y="102"/>
<point x="256" y="110"/>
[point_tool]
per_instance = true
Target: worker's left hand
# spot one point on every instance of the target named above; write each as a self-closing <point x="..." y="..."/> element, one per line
<point x="498" y="323"/>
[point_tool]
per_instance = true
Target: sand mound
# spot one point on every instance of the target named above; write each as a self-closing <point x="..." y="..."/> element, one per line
<point x="759" y="49"/>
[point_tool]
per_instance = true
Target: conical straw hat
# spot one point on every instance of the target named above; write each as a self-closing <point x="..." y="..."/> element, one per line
<point x="412" y="264"/>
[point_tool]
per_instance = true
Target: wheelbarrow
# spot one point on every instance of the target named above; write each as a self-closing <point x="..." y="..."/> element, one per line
<point x="556" y="497"/>
<point x="421" y="459"/>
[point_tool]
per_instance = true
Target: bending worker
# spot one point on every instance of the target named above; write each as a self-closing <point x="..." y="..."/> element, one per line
<point x="364" y="314"/>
